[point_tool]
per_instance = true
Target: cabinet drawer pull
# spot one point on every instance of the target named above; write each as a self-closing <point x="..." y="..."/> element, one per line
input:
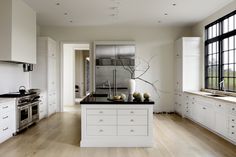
<point x="101" y="112"/>
<point x="219" y="105"/>
<point x="232" y="120"/>
<point x="132" y="120"/>
<point x="100" y="120"/>
<point x="5" y="107"/>
<point x="5" y="129"/>
<point x="5" y="117"/>
<point x="233" y="109"/>
<point x="131" y="130"/>
<point x="203" y="108"/>
<point x="232" y="133"/>
<point x="131" y="112"/>
<point x="100" y="130"/>
<point x="232" y="126"/>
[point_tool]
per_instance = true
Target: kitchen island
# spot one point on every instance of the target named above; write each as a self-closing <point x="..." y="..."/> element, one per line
<point x="107" y="123"/>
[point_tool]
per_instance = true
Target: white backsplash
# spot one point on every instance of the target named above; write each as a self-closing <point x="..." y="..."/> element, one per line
<point x="12" y="76"/>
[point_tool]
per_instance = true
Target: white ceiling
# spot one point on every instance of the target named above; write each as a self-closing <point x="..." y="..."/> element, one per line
<point x="127" y="13"/>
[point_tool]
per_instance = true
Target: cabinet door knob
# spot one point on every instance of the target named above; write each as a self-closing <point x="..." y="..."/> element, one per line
<point x="232" y="126"/>
<point x="100" y="130"/>
<point x="233" y="109"/>
<point x="132" y="120"/>
<point x="100" y="120"/>
<point x="219" y="105"/>
<point x="131" y="130"/>
<point x="232" y="132"/>
<point x="100" y="111"/>
<point x="131" y="111"/>
<point x="233" y="120"/>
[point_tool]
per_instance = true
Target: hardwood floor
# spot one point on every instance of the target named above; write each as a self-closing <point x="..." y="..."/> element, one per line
<point x="59" y="136"/>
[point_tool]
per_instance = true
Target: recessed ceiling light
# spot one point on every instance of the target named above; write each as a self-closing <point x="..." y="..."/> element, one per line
<point x="58" y="3"/>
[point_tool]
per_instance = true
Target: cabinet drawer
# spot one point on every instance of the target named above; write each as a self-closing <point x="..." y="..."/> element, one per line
<point x="220" y="107"/>
<point x="5" y="118"/>
<point x="101" y="131"/>
<point x="232" y="119"/>
<point x="132" y="112"/>
<point x="101" y="120"/>
<point x="232" y="134"/>
<point x="232" y="126"/>
<point x="6" y="107"/>
<point x="132" y="130"/>
<point x="101" y="112"/>
<point x="132" y="120"/>
<point x="233" y="109"/>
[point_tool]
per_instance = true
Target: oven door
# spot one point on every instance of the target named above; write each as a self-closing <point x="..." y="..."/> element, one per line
<point x="34" y="111"/>
<point x="23" y="116"/>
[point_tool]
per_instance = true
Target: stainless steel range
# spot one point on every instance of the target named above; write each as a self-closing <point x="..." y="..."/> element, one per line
<point x="27" y="108"/>
<point x="27" y="111"/>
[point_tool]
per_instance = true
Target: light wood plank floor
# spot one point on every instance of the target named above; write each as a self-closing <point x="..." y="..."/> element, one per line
<point x="59" y="136"/>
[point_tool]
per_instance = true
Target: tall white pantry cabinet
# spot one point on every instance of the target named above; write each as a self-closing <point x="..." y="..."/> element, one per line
<point x="44" y="75"/>
<point x="187" y="68"/>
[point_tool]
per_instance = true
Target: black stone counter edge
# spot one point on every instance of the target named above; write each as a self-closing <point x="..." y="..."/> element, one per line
<point x="94" y="102"/>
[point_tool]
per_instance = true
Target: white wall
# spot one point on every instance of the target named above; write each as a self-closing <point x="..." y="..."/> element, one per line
<point x="149" y="42"/>
<point x="12" y="76"/>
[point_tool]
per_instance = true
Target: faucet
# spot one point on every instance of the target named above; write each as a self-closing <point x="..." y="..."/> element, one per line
<point x="222" y="85"/>
<point x="109" y="86"/>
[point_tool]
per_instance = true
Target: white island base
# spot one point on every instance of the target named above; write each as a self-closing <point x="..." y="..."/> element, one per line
<point x="116" y="125"/>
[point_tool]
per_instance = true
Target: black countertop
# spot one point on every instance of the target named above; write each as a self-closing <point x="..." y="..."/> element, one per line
<point x="103" y="100"/>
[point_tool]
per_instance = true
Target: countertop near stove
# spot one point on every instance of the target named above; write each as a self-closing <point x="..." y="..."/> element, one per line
<point x="3" y="100"/>
<point x="93" y="100"/>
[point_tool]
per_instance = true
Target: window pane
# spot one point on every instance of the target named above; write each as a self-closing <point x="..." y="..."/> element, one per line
<point x="215" y="59"/>
<point x="210" y="62"/>
<point x="209" y="32"/>
<point x="231" y="70"/>
<point x="231" y="23"/>
<point x="210" y="71"/>
<point x="210" y="49"/>
<point x="209" y="82"/>
<point x="231" y="84"/>
<point x="225" y="26"/>
<point x="225" y="57"/>
<point x="214" y="83"/>
<point x="225" y="44"/>
<point x="225" y="71"/>
<point x="214" y="32"/>
<point x="226" y="83"/>
<point x="214" y="71"/>
<point x="231" y="43"/>
<point x="231" y="56"/>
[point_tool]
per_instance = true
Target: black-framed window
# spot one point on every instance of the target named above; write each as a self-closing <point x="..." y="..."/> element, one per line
<point x="220" y="53"/>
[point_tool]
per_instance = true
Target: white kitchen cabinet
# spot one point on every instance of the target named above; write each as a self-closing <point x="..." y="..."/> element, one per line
<point x="44" y="74"/>
<point x="18" y="32"/>
<point x="188" y="64"/>
<point x="7" y="119"/>
<point x="114" y="125"/>
<point x="43" y="110"/>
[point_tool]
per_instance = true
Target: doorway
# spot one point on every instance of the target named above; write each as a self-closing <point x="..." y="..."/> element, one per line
<point x="75" y="74"/>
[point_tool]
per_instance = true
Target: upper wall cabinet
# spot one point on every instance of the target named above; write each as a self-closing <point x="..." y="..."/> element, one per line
<point x="17" y="32"/>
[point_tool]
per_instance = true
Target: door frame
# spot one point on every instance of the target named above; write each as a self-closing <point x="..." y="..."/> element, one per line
<point x="61" y="71"/>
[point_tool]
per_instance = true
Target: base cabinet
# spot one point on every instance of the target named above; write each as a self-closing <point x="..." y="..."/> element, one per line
<point x="215" y="115"/>
<point x="117" y="125"/>
<point x="7" y="119"/>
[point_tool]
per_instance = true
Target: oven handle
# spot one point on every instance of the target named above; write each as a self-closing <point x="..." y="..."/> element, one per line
<point x="23" y="107"/>
<point x="33" y="103"/>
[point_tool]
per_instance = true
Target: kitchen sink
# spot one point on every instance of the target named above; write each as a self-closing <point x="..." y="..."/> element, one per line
<point x="216" y="95"/>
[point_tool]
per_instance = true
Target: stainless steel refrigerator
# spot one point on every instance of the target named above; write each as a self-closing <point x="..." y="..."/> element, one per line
<point x="110" y="62"/>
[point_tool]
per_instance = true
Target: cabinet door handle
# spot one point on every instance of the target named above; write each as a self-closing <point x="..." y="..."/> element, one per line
<point x="4" y="107"/>
<point x="131" y="130"/>
<point x="100" y="111"/>
<point x="100" y="120"/>
<point x="5" y="117"/>
<point x="232" y="133"/>
<point x="203" y="108"/>
<point x="132" y="120"/>
<point x="131" y="112"/>
<point x="233" y="109"/>
<point x="100" y="130"/>
<point x="232" y="120"/>
<point x="232" y="126"/>
<point x="219" y="105"/>
<point x="5" y="129"/>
